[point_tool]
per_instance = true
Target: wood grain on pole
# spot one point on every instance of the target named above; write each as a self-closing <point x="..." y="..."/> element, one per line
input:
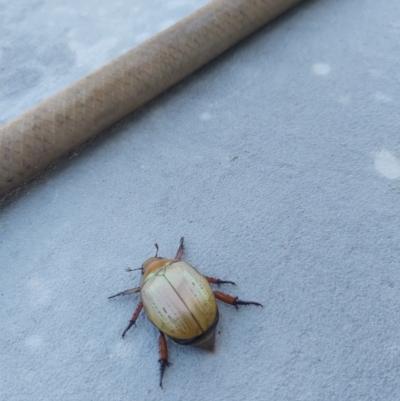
<point x="66" y="120"/>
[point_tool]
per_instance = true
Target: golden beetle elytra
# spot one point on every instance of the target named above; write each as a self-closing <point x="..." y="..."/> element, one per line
<point x="179" y="301"/>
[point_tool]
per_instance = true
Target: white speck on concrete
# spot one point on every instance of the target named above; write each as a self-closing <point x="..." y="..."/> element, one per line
<point x="34" y="341"/>
<point x="166" y="24"/>
<point x="87" y="53"/>
<point x="39" y="294"/>
<point x="122" y="349"/>
<point x="142" y="37"/>
<point x="205" y="116"/>
<point x="387" y="164"/>
<point x="382" y="97"/>
<point x="344" y="99"/>
<point x="321" y="68"/>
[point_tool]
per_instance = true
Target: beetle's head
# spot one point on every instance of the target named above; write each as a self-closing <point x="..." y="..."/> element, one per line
<point x="154" y="263"/>
<point x="150" y="263"/>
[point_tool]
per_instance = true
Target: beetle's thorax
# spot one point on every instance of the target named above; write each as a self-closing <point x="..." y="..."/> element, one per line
<point x="153" y="264"/>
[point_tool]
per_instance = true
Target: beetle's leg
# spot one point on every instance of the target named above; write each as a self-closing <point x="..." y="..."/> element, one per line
<point x="217" y="281"/>
<point x="134" y="318"/>
<point x="128" y="269"/>
<point x="228" y="299"/>
<point x="162" y="343"/>
<point x="126" y="292"/>
<point x="180" y="249"/>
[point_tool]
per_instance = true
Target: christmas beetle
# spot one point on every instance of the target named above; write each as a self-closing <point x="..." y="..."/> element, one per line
<point x="179" y="301"/>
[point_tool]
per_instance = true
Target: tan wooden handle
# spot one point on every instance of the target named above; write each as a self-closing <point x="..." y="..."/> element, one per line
<point x="66" y="120"/>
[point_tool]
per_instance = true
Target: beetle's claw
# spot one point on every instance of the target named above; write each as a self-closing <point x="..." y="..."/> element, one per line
<point x="163" y="364"/>
<point x="225" y="282"/>
<point x="239" y="302"/>
<point x="128" y="269"/>
<point x="116" y="295"/>
<point x="126" y="330"/>
<point x="126" y="292"/>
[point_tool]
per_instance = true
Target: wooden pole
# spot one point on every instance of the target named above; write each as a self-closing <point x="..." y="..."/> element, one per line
<point x="66" y="120"/>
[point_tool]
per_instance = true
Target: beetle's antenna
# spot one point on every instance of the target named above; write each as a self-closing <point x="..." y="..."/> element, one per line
<point x="156" y="245"/>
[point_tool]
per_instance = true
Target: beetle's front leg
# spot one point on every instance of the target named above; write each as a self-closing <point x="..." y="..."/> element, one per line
<point x="217" y="281"/>
<point x="134" y="318"/>
<point x="162" y="343"/>
<point x="228" y="299"/>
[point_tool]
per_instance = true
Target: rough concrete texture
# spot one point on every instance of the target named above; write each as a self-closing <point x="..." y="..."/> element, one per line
<point x="279" y="163"/>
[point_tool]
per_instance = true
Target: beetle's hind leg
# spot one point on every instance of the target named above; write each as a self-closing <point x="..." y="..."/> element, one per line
<point x="134" y="318"/>
<point x="162" y="343"/>
<point x="180" y="249"/>
<point x="228" y="299"/>
<point x="217" y="281"/>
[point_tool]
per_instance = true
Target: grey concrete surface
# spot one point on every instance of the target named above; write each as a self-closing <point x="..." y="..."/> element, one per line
<point x="279" y="163"/>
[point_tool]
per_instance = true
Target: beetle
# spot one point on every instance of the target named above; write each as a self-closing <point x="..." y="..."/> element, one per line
<point x="180" y="302"/>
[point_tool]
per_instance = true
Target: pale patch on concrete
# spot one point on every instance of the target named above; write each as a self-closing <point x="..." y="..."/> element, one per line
<point x="387" y="164"/>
